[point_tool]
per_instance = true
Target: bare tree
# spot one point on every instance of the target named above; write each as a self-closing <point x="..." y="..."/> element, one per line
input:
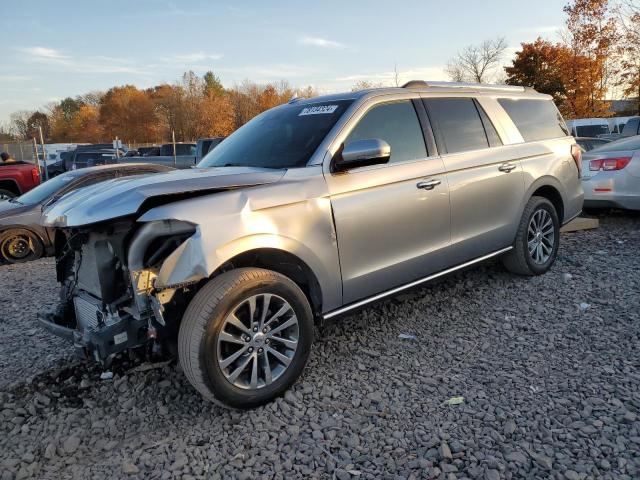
<point x="396" y="75"/>
<point x="477" y="63"/>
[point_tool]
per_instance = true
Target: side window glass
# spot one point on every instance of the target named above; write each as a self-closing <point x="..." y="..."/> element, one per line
<point x="490" y="130"/>
<point x="457" y="124"/>
<point x="535" y="119"/>
<point x="397" y="124"/>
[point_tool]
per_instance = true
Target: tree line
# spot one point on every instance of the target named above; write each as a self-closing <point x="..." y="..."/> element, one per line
<point x="598" y="55"/>
<point x="194" y="107"/>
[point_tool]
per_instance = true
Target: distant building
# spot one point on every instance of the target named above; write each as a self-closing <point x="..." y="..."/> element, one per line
<point x="622" y="108"/>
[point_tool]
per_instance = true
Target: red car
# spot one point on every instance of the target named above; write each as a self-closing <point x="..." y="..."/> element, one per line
<point x="17" y="178"/>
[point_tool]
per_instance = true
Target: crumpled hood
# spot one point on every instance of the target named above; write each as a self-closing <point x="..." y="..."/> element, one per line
<point x="124" y="196"/>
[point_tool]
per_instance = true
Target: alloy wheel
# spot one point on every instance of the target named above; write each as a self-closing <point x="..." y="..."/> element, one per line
<point x="257" y="341"/>
<point x="541" y="236"/>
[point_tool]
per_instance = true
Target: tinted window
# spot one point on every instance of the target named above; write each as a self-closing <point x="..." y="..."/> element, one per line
<point x="628" y="143"/>
<point x="183" y="149"/>
<point x="592" y="130"/>
<point x="536" y="119"/>
<point x="398" y="125"/>
<point x="631" y="128"/>
<point x="457" y="124"/>
<point x="283" y="137"/>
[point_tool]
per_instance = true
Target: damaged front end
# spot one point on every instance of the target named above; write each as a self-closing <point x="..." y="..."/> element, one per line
<point x="109" y="300"/>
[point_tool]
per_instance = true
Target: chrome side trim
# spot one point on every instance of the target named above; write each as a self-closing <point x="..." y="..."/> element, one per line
<point x="393" y="291"/>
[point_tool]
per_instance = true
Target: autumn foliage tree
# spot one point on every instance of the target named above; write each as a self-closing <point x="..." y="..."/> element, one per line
<point x="128" y="113"/>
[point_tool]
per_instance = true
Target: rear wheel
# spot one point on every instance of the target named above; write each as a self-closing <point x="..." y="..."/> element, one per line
<point x="17" y="246"/>
<point x="537" y="240"/>
<point x="245" y="337"/>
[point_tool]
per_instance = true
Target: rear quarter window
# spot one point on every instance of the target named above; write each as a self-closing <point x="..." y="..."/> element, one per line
<point x="535" y="119"/>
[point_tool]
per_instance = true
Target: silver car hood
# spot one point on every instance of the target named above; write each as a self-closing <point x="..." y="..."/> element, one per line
<point x="124" y="196"/>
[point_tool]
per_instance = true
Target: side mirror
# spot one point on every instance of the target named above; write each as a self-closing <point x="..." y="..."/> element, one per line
<point x="360" y="153"/>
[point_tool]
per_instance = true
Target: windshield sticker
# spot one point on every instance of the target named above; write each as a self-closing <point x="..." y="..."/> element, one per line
<point x="319" y="110"/>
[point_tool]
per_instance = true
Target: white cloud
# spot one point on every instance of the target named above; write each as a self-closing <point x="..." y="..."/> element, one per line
<point x="321" y="42"/>
<point x="261" y="73"/>
<point x="192" y="57"/>
<point x="389" y="77"/>
<point x="43" y="53"/>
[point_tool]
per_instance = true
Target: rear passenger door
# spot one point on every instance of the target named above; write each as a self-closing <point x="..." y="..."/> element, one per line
<point x="392" y="220"/>
<point x="485" y="177"/>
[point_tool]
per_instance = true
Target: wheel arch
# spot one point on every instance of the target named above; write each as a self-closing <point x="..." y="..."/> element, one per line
<point x="283" y="262"/>
<point x="549" y="188"/>
<point x="11" y="185"/>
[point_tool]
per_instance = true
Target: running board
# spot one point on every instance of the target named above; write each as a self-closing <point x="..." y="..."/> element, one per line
<point x="406" y="286"/>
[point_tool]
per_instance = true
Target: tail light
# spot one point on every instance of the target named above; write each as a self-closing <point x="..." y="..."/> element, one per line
<point x="576" y="153"/>
<point x="609" y="164"/>
<point x="35" y="175"/>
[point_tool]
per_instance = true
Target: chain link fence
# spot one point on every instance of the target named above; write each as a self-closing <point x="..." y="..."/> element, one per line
<point x="23" y="151"/>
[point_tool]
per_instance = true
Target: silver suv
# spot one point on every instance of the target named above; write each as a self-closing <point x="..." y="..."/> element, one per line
<point x="309" y="211"/>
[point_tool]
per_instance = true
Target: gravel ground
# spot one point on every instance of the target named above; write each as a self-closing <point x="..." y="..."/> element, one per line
<point x="549" y="369"/>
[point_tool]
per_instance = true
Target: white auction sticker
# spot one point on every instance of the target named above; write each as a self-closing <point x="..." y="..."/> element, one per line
<point x="318" y="110"/>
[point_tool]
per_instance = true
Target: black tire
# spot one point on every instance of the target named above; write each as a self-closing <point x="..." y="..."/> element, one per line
<point x="519" y="260"/>
<point x="5" y="194"/>
<point x="204" y="320"/>
<point x="19" y="246"/>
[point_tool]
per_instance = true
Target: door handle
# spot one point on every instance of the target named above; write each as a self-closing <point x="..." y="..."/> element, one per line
<point x="506" y="167"/>
<point x="428" y="185"/>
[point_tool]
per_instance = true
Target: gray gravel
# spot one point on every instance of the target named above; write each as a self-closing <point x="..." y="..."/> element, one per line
<point x="549" y="369"/>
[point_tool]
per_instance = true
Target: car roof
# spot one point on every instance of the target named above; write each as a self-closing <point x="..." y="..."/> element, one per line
<point x="426" y="87"/>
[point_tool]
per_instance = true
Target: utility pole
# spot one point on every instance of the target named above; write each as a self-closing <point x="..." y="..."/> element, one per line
<point x="35" y="149"/>
<point x="44" y="155"/>
<point x="173" y="138"/>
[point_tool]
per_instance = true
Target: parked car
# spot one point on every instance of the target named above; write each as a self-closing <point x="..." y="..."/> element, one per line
<point x="611" y="175"/>
<point x="185" y="155"/>
<point x="205" y="145"/>
<point x="589" y="127"/>
<point x="17" y="178"/>
<point x="93" y="158"/>
<point x="316" y="208"/>
<point x="616" y="125"/>
<point x="22" y="237"/>
<point x="632" y="127"/>
<point x="587" y="143"/>
<point x="149" y="151"/>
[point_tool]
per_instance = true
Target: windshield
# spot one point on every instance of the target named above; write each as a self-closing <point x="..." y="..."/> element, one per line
<point x="46" y="190"/>
<point x="283" y="137"/>
<point x="629" y="143"/>
<point x="592" y="130"/>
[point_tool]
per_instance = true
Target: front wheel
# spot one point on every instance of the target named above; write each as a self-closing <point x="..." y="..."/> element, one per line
<point x="245" y="337"/>
<point x="18" y="246"/>
<point x="537" y="240"/>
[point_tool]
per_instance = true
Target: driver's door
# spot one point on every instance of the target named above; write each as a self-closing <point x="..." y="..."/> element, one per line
<point x="392" y="221"/>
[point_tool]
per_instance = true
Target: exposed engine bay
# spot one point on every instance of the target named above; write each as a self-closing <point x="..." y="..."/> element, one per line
<point x="109" y="301"/>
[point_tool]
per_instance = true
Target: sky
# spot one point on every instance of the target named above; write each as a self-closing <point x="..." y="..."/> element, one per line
<point x="53" y="49"/>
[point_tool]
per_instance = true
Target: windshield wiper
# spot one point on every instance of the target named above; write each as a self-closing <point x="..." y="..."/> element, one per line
<point x="15" y="200"/>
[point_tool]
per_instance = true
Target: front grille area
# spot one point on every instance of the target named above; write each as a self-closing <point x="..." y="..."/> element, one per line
<point x="87" y="313"/>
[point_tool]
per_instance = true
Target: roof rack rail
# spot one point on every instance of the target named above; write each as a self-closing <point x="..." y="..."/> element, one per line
<point x="474" y="86"/>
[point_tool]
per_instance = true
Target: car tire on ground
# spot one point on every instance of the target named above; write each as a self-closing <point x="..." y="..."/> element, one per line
<point x="6" y="194"/>
<point x="18" y="245"/>
<point x="537" y="240"/>
<point x="245" y="337"/>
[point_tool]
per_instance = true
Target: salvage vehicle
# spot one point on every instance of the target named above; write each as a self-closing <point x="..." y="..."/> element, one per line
<point x="17" y="178"/>
<point x="611" y="175"/>
<point x="310" y="211"/>
<point x="22" y="237"/>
